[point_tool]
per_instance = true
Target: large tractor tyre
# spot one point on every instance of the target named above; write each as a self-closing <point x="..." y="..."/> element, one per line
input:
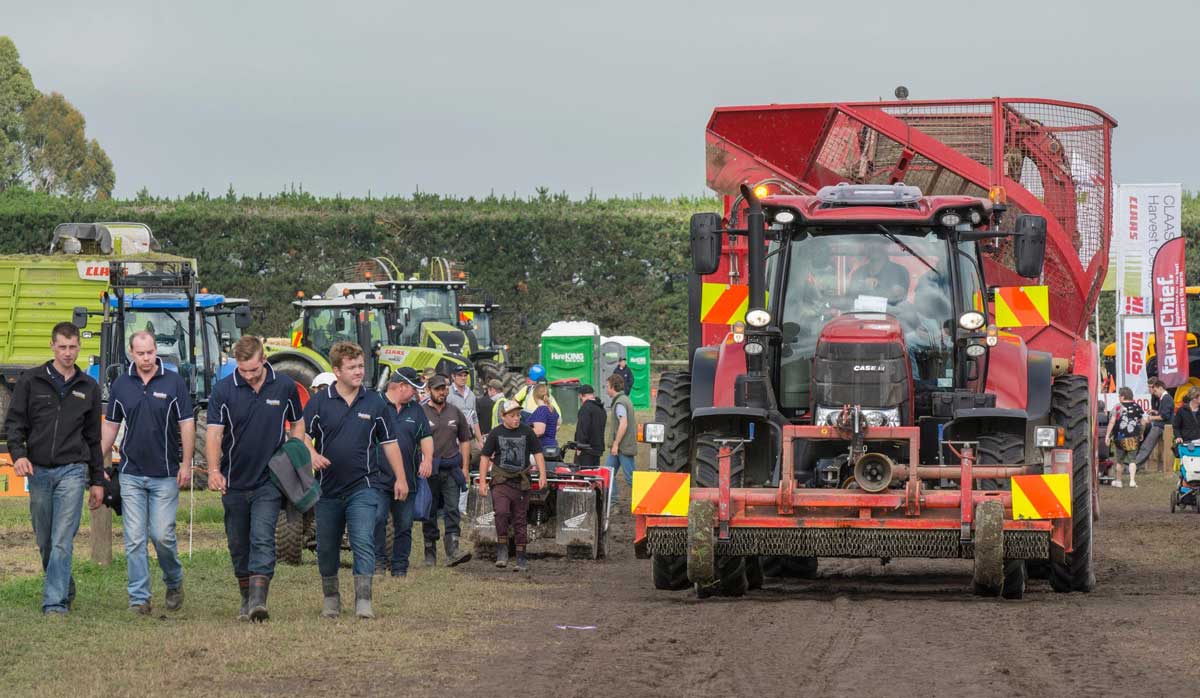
<point x="789" y="566"/>
<point x="673" y="408"/>
<point x="486" y="370"/>
<point x="289" y="539"/>
<point x="200" y="456"/>
<point x="707" y="470"/>
<point x="303" y="373"/>
<point x="512" y="382"/>
<point x="670" y="572"/>
<point x="1014" y="579"/>
<point x="730" y="579"/>
<point x="5" y="400"/>
<point x="1069" y="409"/>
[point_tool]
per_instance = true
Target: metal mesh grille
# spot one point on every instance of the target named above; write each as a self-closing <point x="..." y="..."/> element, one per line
<point x="850" y="542"/>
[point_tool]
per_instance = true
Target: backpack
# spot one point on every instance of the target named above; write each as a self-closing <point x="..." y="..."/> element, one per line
<point x="1129" y="424"/>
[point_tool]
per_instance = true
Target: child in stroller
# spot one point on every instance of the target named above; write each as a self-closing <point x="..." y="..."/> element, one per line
<point x="1187" y="490"/>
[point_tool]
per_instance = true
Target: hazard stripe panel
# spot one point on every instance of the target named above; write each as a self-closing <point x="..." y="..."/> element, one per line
<point x="723" y="304"/>
<point x="1041" y="496"/>
<point x="1023" y="306"/>
<point x="660" y="494"/>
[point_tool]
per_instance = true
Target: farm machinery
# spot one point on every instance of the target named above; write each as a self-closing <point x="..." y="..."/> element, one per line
<point x="875" y="370"/>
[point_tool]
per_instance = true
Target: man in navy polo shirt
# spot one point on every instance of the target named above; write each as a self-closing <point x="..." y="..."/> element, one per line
<point x="150" y="400"/>
<point x="248" y="415"/>
<point x="346" y="421"/>
<point x="416" y="444"/>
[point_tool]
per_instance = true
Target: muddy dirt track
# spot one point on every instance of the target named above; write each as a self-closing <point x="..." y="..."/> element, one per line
<point x="862" y="629"/>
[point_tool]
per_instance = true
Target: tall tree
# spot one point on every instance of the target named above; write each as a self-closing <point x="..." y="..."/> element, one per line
<point x="16" y="94"/>
<point x="59" y="158"/>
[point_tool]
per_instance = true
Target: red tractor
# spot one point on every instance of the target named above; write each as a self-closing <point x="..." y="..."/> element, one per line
<point x="876" y="369"/>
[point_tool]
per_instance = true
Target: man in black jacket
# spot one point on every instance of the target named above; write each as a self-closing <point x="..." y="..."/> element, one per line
<point x="589" y="429"/>
<point x="53" y="426"/>
<point x="625" y="373"/>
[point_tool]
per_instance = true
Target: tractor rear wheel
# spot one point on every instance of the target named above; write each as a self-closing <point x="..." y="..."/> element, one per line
<point x="486" y="370"/>
<point x="304" y="374"/>
<point x="673" y="408"/>
<point x="200" y="456"/>
<point x="1014" y="579"/>
<point x="1069" y="408"/>
<point x="512" y="382"/>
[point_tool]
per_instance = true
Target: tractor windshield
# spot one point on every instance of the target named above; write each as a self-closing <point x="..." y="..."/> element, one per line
<point x="418" y="305"/>
<point x="876" y="272"/>
<point x="327" y="326"/>
<point x="481" y="325"/>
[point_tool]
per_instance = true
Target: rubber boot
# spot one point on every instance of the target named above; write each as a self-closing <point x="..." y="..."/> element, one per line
<point x="333" y="600"/>
<point x="453" y="556"/>
<point x="501" y="553"/>
<point x="362" y="596"/>
<point x="244" y="588"/>
<point x="430" y="553"/>
<point x="260" y="584"/>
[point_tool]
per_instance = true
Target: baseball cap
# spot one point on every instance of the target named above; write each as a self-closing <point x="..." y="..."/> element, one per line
<point x="460" y="368"/>
<point x="407" y="375"/>
<point x="438" y="381"/>
<point x="509" y="406"/>
<point x="495" y="384"/>
<point x="586" y="389"/>
<point x="324" y="380"/>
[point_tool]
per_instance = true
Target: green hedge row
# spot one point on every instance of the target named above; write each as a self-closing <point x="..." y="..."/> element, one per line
<point x="620" y="263"/>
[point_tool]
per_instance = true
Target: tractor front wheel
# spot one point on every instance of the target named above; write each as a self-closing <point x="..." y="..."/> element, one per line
<point x="1070" y="406"/>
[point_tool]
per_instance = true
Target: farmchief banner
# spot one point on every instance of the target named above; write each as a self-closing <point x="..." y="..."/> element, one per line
<point x="1170" y="313"/>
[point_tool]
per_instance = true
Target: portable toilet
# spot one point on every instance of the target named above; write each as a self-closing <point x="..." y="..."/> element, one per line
<point x="637" y="356"/>
<point x="571" y="349"/>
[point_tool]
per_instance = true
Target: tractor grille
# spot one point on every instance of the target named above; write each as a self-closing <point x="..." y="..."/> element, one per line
<point x="850" y="542"/>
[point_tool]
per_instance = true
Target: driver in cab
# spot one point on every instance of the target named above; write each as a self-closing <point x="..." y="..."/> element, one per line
<point x="880" y="276"/>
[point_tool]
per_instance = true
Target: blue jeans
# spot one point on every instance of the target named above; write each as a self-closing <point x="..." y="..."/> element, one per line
<point x="402" y="521"/>
<point x="148" y="506"/>
<point x="250" y="517"/>
<point x="623" y="464"/>
<point x="355" y="511"/>
<point x="55" y="504"/>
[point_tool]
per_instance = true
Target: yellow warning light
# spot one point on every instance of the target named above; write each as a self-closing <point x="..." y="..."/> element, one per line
<point x="203" y="289"/>
<point x="761" y="191"/>
<point x="299" y="294"/>
<point x="345" y="292"/>
<point x="998" y="195"/>
<point x="368" y="275"/>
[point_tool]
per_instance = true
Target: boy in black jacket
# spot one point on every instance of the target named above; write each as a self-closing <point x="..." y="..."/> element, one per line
<point x="53" y="426"/>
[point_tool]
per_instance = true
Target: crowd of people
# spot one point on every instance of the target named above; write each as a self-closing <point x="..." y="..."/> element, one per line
<point x="361" y="460"/>
<point x="1133" y="433"/>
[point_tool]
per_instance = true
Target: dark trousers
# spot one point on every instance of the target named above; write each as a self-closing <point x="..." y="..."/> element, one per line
<point x="356" y="512"/>
<point x="511" y="505"/>
<point x="444" y="484"/>
<point x="250" y="517"/>
<point x="402" y="521"/>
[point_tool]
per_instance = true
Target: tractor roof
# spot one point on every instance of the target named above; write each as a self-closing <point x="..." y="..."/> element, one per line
<point x="422" y="283"/>
<point x="344" y="302"/>
<point x="167" y="301"/>
<point x="920" y="209"/>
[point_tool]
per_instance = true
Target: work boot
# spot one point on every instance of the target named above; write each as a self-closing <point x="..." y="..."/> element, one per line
<point x="175" y="598"/>
<point x="430" y="553"/>
<point x="501" y="553"/>
<point x="142" y="609"/>
<point x="362" y="596"/>
<point x="260" y="584"/>
<point x="333" y="600"/>
<point x="453" y="556"/>
<point x="522" y="563"/>
<point x="244" y="588"/>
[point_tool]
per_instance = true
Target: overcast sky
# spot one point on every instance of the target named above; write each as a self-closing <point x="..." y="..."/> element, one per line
<point x="471" y="97"/>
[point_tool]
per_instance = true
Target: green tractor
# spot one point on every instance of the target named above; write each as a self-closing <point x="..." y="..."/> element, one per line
<point x="486" y="353"/>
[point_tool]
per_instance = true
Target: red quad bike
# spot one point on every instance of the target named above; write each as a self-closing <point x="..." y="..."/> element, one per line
<point x="888" y="354"/>
<point x="572" y="511"/>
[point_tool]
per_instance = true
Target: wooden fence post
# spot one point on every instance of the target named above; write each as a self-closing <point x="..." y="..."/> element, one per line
<point x="102" y="535"/>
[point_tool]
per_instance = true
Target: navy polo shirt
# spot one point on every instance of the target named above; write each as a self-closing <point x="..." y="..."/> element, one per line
<point x="411" y="428"/>
<point x="347" y="436"/>
<point x="254" y="425"/>
<point x="150" y="412"/>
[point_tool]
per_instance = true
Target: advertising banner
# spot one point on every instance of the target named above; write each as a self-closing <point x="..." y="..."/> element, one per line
<point x="1170" y="313"/>
<point x="1134" y="332"/>
<point x="1144" y="217"/>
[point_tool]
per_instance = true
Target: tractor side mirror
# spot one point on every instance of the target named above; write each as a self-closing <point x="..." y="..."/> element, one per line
<point x="706" y="242"/>
<point x="1029" y="245"/>
<point x="79" y="316"/>
<point x="241" y="317"/>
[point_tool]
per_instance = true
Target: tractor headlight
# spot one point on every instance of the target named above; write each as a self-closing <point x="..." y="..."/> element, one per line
<point x="951" y="219"/>
<point x="1048" y="437"/>
<point x="785" y="217"/>
<point x="976" y="350"/>
<point x="971" y="320"/>
<point x="754" y="348"/>
<point x="883" y="418"/>
<point x="653" y="433"/>
<point x="976" y="217"/>
<point x="758" y="318"/>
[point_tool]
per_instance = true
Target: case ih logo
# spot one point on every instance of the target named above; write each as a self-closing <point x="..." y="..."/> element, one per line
<point x="867" y="367"/>
<point x="1135" y="353"/>
<point x="571" y="357"/>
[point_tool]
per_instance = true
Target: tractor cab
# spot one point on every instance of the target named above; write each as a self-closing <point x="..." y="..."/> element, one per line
<point x="426" y="313"/>
<point x="326" y="321"/>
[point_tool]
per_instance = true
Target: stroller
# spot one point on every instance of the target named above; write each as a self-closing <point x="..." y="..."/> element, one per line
<point x="1187" y="491"/>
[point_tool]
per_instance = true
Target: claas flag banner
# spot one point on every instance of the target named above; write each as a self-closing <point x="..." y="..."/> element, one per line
<point x="1170" y="312"/>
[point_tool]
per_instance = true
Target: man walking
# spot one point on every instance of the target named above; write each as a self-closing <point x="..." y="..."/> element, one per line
<point x="1162" y="411"/>
<point x="589" y="430"/>
<point x="623" y="446"/>
<point x="626" y="375"/>
<point x="53" y="426"/>
<point x="509" y="446"/>
<point x="416" y="445"/>
<point x="463" y="398"/>
<point x="247" y="423"/>
<point x="150" y="400"/>
<point x="451" y="459"/>
<point x="345" y="422"/>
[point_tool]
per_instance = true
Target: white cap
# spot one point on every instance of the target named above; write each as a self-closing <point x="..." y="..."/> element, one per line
<point x="324" y="380"/>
